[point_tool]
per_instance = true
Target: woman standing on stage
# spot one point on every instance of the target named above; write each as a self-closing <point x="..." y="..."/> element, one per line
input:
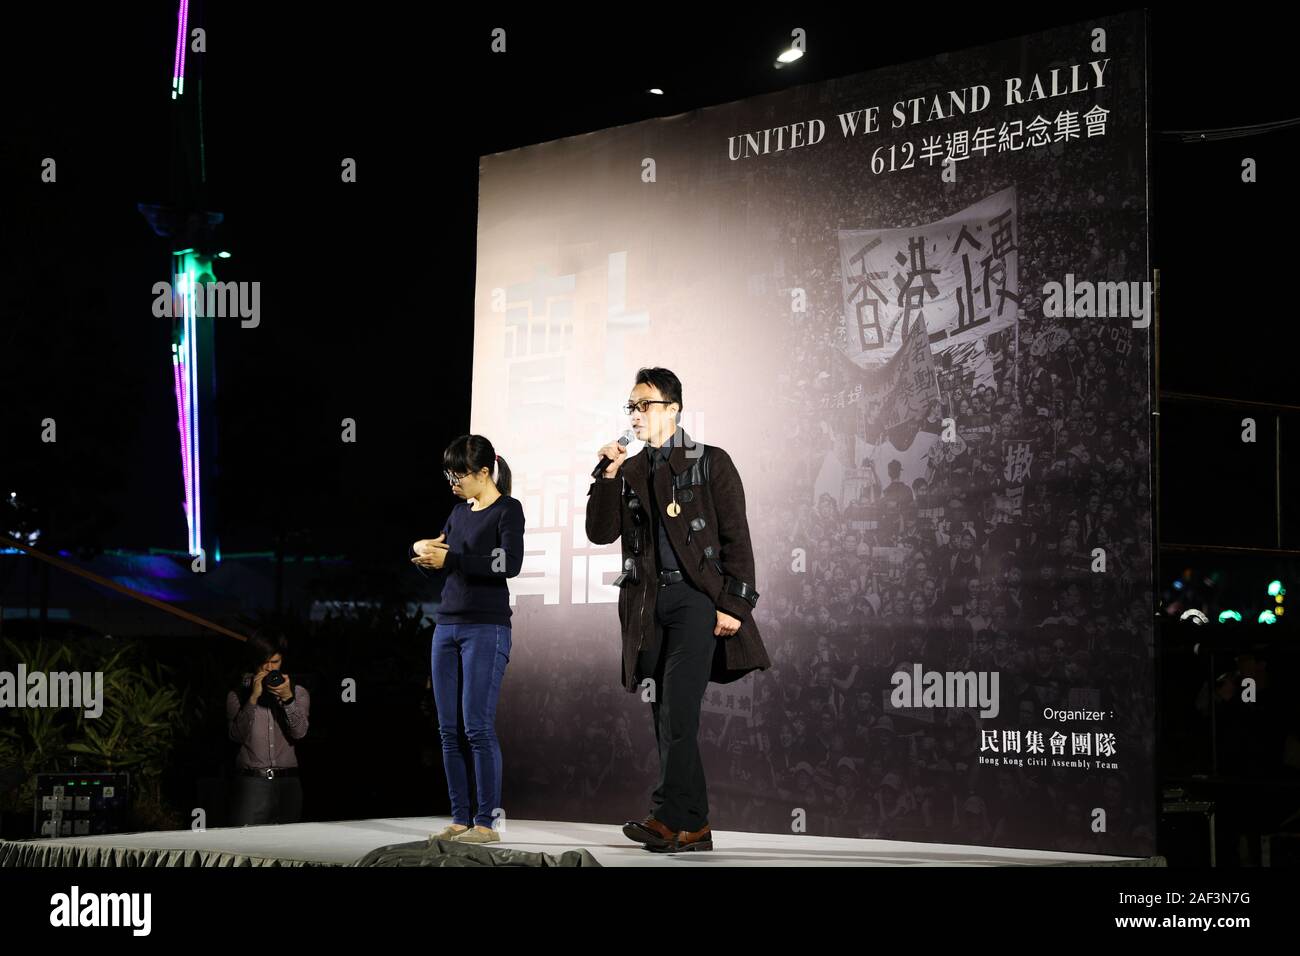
<point x="481" y="544"/>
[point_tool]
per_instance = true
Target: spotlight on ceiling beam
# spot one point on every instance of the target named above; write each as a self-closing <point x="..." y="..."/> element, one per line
<point x="656" y="91"/>
<point x="788" y="56"/>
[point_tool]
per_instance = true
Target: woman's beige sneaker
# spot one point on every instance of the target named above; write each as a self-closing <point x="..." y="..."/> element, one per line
<point x="448" y="833"/>
<point x="475" y="835"/>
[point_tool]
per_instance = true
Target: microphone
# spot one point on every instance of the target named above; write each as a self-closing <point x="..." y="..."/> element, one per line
<point x="605" y="460"/>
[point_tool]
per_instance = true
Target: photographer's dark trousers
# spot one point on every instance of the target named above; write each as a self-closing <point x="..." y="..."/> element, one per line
<point x="258" y="799"/>
<point x="684" y="623"/>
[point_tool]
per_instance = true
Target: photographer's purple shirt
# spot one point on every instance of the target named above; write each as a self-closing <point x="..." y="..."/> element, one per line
<point x="262" y="742"/>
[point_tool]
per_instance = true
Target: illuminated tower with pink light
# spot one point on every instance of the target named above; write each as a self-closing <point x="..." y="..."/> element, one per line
<point x="190" y="228"/>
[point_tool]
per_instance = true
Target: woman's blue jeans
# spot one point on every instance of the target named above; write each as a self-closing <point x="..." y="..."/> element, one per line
<point x="469" y="662"/>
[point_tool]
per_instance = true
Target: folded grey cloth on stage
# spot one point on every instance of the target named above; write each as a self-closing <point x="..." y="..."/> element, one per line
<point x="433" y="852"/>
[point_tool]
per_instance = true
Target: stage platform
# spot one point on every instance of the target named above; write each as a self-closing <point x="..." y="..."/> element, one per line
<point x="406" y="842"/>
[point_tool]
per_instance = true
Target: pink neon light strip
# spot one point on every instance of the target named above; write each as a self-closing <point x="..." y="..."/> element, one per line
<point x="182" y="35"/>
<point x="185" y="35"/>
<point x="194" y="385"/>
<point x="180" y="43"/>
<point x="187" y="389"/>
<point x="181" y="428"/>
<point x="188" y="451"/>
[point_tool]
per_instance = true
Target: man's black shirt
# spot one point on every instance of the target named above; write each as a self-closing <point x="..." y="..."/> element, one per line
<point x="667" y="557"/>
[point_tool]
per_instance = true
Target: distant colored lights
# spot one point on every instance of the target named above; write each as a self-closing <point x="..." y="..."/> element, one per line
<point x="186" y="385"/>
<point x="182" y="35"/>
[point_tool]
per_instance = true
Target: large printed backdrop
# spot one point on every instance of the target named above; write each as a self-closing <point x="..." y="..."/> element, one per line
<point x="932" y="466"/>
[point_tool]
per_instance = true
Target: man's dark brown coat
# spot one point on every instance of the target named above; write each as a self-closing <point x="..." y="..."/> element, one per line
<point x="723" y="539"/>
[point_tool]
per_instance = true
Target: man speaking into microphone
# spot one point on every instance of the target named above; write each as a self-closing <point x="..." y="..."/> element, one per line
<point x="687" y="593"/>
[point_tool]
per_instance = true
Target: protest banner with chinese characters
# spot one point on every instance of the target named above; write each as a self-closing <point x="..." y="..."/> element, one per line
<point x="960" y="272"/>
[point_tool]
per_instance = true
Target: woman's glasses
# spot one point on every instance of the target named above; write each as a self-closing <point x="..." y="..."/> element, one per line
<point x="452" y="479"/>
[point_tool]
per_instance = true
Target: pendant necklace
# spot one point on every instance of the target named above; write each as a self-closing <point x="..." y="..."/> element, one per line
<point x="673" y="509"/>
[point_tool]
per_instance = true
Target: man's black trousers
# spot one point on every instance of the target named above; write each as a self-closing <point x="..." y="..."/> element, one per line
<point x="685" y="619"/>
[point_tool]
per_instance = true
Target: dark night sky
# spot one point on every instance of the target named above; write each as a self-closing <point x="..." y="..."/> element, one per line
<point x="368" y="289"/>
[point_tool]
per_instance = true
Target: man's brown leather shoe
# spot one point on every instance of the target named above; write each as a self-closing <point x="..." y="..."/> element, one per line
<point x="649" y="831"/>
<point x="685" y="841"/>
